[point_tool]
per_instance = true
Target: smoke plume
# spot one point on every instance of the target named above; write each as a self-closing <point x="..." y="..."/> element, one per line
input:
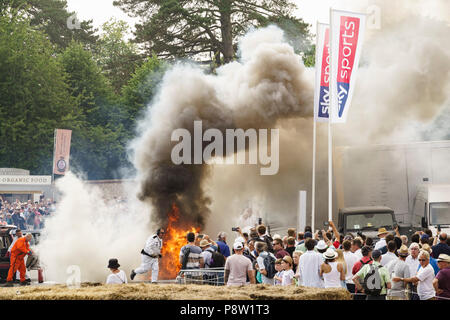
<point x="267" y="84"/>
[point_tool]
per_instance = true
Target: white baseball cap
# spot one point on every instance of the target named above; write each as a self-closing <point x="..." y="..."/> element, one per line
<point x="238" y="246"/>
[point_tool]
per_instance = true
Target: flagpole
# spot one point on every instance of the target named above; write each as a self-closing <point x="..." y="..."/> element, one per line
<point x="330" y="134"/>
<point x="313" y="191"/>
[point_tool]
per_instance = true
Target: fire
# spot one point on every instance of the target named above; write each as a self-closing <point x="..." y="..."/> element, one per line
<point x="174" y="239"/>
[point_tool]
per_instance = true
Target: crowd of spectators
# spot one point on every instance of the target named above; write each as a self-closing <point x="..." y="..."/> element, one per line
<point x="390" y="266"/>
<point x="26" y="215"/>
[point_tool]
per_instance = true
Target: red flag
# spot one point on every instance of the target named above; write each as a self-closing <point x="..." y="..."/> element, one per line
<point x="62" y="151"/>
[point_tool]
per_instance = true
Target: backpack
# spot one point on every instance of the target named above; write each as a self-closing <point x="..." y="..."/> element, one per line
<point x="268" y="240"/>
<point x="372" y="281"/>
<point x="186" y="253"/>
<point x="217" y="260"/>
<point x="269" y="266"/>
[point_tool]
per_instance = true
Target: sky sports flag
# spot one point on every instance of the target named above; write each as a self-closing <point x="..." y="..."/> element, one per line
<point x="347" y="34"/>
<point x="322" y="91"/>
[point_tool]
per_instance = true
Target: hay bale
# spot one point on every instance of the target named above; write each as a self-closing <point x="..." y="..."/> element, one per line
<point x="145" y="291"/>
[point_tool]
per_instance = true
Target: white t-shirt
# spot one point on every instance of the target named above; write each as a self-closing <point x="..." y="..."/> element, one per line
<point x="358" y="254"/>
<point x="279" y="275"/>
<point x="287" y="277"/>
<point x="350" y="260"/>
<point x="380" y="244"/>
<point x="117" y="278"/>
<point x="309" y="268"/>
<point x="425" y="288"/>
<point x="387" y="257"/>
<point x="238" y="265"/>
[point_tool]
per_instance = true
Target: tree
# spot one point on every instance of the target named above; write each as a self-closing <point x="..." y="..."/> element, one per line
<point x="51" y="17"/>
<point x="204" y="29"/>
<point x="117" y="57"/>
<point x="98" y="147"/>
<point x="141" y="88"/>
<point x="34" y="97"/>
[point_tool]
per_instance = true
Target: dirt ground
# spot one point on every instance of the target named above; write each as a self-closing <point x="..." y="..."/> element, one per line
<point x="145" y="291"/>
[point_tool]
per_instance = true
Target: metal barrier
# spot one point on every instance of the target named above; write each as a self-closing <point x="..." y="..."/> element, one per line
<point x="208" y="276"/>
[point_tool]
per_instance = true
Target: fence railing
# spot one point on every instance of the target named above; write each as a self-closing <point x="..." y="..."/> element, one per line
<point x="208" y="276"/>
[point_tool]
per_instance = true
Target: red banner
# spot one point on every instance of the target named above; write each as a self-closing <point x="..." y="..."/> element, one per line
<point x="62" y="151"/>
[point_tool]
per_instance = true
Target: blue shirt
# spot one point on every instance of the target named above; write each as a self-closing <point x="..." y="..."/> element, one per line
<point x="440" y="248"/>
<point x="223" y="248"/>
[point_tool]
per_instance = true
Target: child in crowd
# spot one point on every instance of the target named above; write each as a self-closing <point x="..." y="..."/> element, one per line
<point x="278" y="276"/>
<point x="117" y="276"/>
<point x="288" y="274"/>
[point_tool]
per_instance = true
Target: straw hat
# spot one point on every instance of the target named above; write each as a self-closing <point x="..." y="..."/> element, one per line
<point x="204" y="243"/>
<point x="403" y="251"/>
<point x="382" y="231"/>
<point x="426" y="247"/>
<point x="443" y="258"/>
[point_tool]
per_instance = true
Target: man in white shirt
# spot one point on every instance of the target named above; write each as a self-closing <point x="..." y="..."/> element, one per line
<point x="238" y="267"/>
<point x="117" y="276"/>
<point x="308" y="270"/>
<point x="413" y="263"/>
<point x="350" y="259"/>
<point x="424" y="277"/>
<point x="413" y="259"/>
<point x="150" y="256"/>
<point x="382" y="233"/>
<point x="356" y="247"/>
<point x="390" y="255"/>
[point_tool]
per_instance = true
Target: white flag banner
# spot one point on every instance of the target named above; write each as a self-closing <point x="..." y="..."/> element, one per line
<point x="322" y="91"/>
<point x="346" y="38"/>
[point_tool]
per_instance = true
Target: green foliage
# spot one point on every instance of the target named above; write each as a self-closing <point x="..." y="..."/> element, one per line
<point x="34" y="96"/>
<point x="98" y="86"/>
<point x="117" y="57"/>
<point x="50" y="16"/>
<point x="141" y="89"/>
<point x="99" y="145"/>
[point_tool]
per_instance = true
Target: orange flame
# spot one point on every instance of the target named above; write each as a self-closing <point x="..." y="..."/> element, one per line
<point x="174" y="240"/>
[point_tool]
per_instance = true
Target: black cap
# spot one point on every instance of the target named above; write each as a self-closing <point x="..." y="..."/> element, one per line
<point x="376" y="254"/>
<point x="113" y="264"/>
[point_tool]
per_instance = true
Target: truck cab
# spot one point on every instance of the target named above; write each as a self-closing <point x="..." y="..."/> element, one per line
<point x="366" y="220"/>
<point x="432" y="205"/>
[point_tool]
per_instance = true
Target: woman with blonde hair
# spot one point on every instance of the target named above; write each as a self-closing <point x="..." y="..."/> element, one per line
<point x="340" y="259"/>
<point x="296" y="257"/>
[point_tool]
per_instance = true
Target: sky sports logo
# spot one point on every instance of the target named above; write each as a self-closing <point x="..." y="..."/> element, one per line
<point x="324" y="100"/>
<point x="347" y="47"/>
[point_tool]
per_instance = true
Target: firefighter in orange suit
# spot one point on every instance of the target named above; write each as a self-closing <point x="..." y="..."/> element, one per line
<point x="18" y="252"/>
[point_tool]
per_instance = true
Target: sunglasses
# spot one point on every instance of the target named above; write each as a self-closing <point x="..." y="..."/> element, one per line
<point x="422" y="259"/>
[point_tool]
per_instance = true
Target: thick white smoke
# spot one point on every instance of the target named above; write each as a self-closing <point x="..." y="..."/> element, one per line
<point x="86" y="232"/>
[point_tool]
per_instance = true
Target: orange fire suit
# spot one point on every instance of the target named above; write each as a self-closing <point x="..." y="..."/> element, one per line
<point x="18" y="252"/>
